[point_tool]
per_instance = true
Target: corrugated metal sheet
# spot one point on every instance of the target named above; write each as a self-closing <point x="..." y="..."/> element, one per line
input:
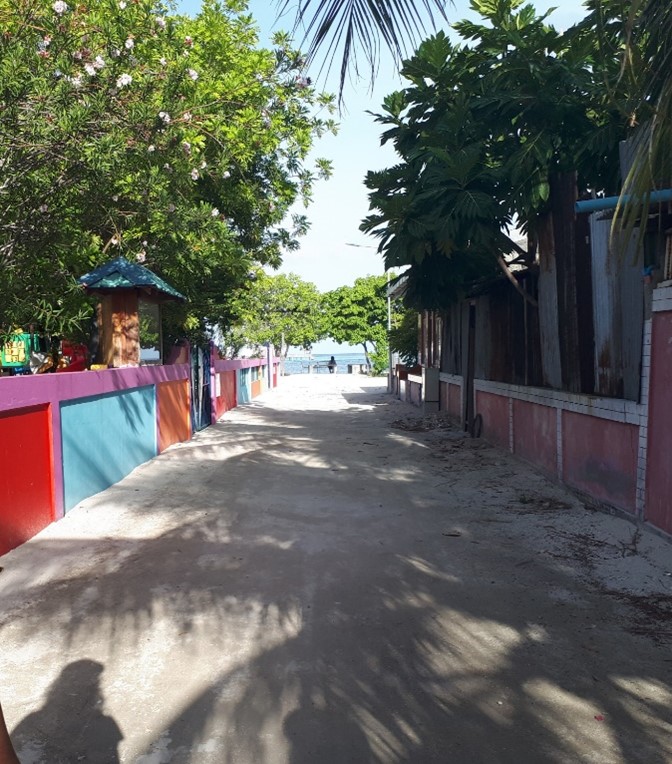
<point x="451" y="352"/>
<point x="618" y="312"/>
<point x="548" y="307"/>
<point x="606" y="311"/>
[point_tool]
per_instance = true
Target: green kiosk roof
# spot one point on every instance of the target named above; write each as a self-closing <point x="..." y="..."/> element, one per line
<point x="121" y="274"/>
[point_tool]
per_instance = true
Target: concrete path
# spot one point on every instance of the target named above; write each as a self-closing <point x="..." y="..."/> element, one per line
<point x="326" y="577"/>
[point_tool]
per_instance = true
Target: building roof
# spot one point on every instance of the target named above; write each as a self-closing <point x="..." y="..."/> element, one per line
<point x="121" y="274"/>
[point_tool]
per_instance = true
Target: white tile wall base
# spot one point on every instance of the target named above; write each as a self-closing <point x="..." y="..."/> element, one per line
<point x="640" y="498"/>
<point x="616" y="410"/>
<point x="662" y="297"/>
<point x="558" y="442"/>
<point x="452" y="379"/>
<point x="511" y="425"/>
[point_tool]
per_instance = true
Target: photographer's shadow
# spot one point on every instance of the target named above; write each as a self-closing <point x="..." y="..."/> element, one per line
<point x="71" y="726"/>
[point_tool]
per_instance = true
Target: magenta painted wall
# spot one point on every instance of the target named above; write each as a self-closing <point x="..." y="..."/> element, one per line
<point x="535" y="434"/>
<point x="494" y="409"/>
<point x="600" y="458"/>
<point x="659" y="463"/>
<point x="52" y="389"/>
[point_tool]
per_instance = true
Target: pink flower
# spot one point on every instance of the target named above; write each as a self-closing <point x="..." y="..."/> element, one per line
<point x="60" y="7"/>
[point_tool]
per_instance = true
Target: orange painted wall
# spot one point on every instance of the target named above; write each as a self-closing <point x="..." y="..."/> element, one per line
<point x="174" y="416"/>
<point x="26" y="481"/>
<point x="256" y="388"/>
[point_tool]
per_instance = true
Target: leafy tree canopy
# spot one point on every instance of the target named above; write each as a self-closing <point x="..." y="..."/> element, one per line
<point x="283" y="310"/>
<point x="170" y="140"/>
<point x="482" y="130"/>
<point x="357" y="314"/>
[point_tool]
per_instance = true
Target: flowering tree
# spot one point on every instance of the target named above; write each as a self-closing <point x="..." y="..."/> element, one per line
<point x="170" y="140"/>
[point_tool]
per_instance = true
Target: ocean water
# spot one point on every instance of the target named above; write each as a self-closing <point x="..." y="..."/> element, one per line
<point x="295" y="366"/>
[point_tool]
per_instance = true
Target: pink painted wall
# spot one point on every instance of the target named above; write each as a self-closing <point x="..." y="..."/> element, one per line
<point x="455" y="401"/>
<point x="414" y="392"/>
<point x="443" y="396"/>
<point x="535" y="435"/>
<point x="600" y="458"/>
<point x="495" y="412"/>
<point x="659" y="462"/>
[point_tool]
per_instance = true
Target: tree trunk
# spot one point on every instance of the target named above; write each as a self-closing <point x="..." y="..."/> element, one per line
<point x="366" y="355"/>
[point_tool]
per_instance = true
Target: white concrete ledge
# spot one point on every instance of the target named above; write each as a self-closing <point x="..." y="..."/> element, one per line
<point x="662" y="297"/>
<point x="612" y="409"/>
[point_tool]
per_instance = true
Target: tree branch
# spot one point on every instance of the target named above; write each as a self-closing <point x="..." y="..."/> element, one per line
<point x="502" y="264"/>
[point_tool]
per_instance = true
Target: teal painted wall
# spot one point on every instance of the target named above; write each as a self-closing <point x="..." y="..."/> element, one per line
<point x="244" y="386"/>
<point x="104" y="438"/>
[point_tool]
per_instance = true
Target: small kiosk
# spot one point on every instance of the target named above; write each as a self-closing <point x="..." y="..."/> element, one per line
<point x="130" y="294"/>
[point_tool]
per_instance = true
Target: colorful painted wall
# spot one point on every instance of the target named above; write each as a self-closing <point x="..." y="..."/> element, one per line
<point x="27" y="484"/>
<point x="65" y="437"/>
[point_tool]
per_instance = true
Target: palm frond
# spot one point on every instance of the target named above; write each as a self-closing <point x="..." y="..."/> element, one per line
<point x="361" y="26"/>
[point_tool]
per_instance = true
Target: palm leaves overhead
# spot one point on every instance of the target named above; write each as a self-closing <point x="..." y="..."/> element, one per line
<point x="362" y="27"/>
<point x="482" y="131"/>
<point x="648" y="58"/>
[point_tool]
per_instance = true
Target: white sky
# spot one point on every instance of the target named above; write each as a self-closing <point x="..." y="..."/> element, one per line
<point x="341" y="202"/>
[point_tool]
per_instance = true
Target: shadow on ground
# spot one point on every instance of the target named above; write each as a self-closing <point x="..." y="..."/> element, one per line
<point x="344" y="623"/>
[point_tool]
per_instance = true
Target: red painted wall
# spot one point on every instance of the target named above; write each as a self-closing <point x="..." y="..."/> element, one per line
<point x="495" y="412"/>
<point x="26" y="482"/>
<point x="535" y="434"/>
<point x="174" y="414"/>
<point x="227" y="398"/>
<point x="659" y="464"/>
<point x="600" y="458"/>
